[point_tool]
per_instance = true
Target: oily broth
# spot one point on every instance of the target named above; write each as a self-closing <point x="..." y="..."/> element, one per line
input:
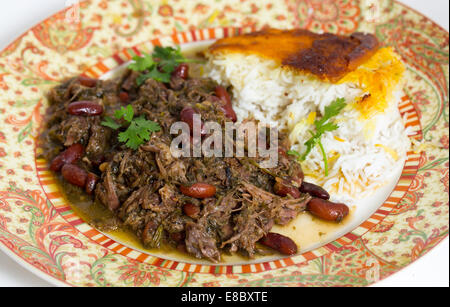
<point x="306" y="230"/>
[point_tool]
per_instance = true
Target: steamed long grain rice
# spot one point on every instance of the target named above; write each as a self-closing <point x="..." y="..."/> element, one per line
<point x="362" y="153"/>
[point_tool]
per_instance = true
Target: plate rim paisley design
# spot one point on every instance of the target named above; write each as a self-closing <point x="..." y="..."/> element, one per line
<point x="49" y="202"/>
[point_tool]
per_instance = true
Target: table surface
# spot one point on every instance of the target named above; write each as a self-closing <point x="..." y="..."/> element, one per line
<point x="19" y="15"/>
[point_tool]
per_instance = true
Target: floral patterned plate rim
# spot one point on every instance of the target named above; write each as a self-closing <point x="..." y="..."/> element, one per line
<point x="39" y="229"/>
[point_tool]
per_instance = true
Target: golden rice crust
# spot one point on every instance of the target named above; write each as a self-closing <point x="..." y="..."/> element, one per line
<point x="327" y="56"/>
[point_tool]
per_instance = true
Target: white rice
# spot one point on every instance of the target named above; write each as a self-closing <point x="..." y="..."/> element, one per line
<point x="363" y="154"/>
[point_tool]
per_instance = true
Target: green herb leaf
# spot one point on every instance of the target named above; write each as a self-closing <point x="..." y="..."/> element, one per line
<point x="142" y="63"/>
<point x="327" y="127"/>
<point x="324" y="155"/>
<point x="109" y="122"/>
<point x="159" y="65"/>
<point x="293" y="153"/>
<point x="330" y="111"/>
<point x="168" y="58"/>
<point x="125" y="113"/>
<point x="138" y="132"/>
<point x="323" y="125"/>
<point x="154" y="74"/>
<point x="310" y="144"/>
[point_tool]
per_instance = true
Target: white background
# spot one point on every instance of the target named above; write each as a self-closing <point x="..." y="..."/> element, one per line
<point x="19" y="15"/>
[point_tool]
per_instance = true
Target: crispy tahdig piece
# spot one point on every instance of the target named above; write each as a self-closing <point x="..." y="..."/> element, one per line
<point x="327" y="56"/>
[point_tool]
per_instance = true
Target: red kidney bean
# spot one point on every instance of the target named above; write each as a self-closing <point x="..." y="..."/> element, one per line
<point x="68" y="156"/>
<point x="227" y="109"/>
<point x="280" y="243"/>
<point x="327" y="210"/>
<point x="191" y="210"/>
<point x="182" y="71"/>
<point x="229" y="113"/>
<point x="74" y="174"/>
<point x="85" y="108"/>
<point x="222" y="93"/>
<point x="314" y="190"/>
<point x="199" y="190"/>
<point x="91" y="182"/>
<point x="88" y="82"/>
<point x="187" y="116"/>
<point x="124" y="96"/>
<point x="282" y="189"/>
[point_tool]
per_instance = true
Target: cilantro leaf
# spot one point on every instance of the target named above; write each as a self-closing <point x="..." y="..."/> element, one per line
<point x="154" y="74"/>
<point x="331" y="110"/>
<point x="323" y="125"/>
<point x="327" y="127"/>
<point x="138" y="132"/>
<point x="159" y="65"/>
<point x="125" y="113"/>
<point x="168" y="58"/>
<point x="141" y="63"/>
<point x="109" y="122"/>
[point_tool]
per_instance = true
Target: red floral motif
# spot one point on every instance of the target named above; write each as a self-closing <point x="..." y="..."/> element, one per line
<point x="422" y="241"/>
<point x="249" y="22"/>
<point x="47" y="234"/>
<point x="201" y="8"/>
<point x="444" y="141"/>
<point x="326" y="15"/>
<point x="417" y="182"/>
<point x="165" y="10"/>
<point x="61" y="35"/>
<point x="445" y="179"/>
<point x="423" y="159"/>
<point x="383" y="226"/>
<point x="26" y="123"/>
<point x="103" y="5"/>
<point x="422" y="52"/>
<point x="408" y="203"/>
<point x="355" y="260"/>
<point x="3" y="85"/>
<point x="28" y="71"/>
<point x="381" y="241"/>
<point x="211" y="284"/>
<point x="142" y="274"/>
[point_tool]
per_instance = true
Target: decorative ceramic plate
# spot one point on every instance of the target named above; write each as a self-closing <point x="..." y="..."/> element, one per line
<point x="39" y="229"/>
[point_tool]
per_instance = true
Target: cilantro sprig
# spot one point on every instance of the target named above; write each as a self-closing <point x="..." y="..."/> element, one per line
<point x="159" y="65"/>
<point x="322" y="125"/>
<point x="138" y="131"/>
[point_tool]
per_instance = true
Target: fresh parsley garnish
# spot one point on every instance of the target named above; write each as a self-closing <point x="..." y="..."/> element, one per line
<point x="322" y="125"/>
<point x="138" y="131"/>
<point x="159" y="65"/>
